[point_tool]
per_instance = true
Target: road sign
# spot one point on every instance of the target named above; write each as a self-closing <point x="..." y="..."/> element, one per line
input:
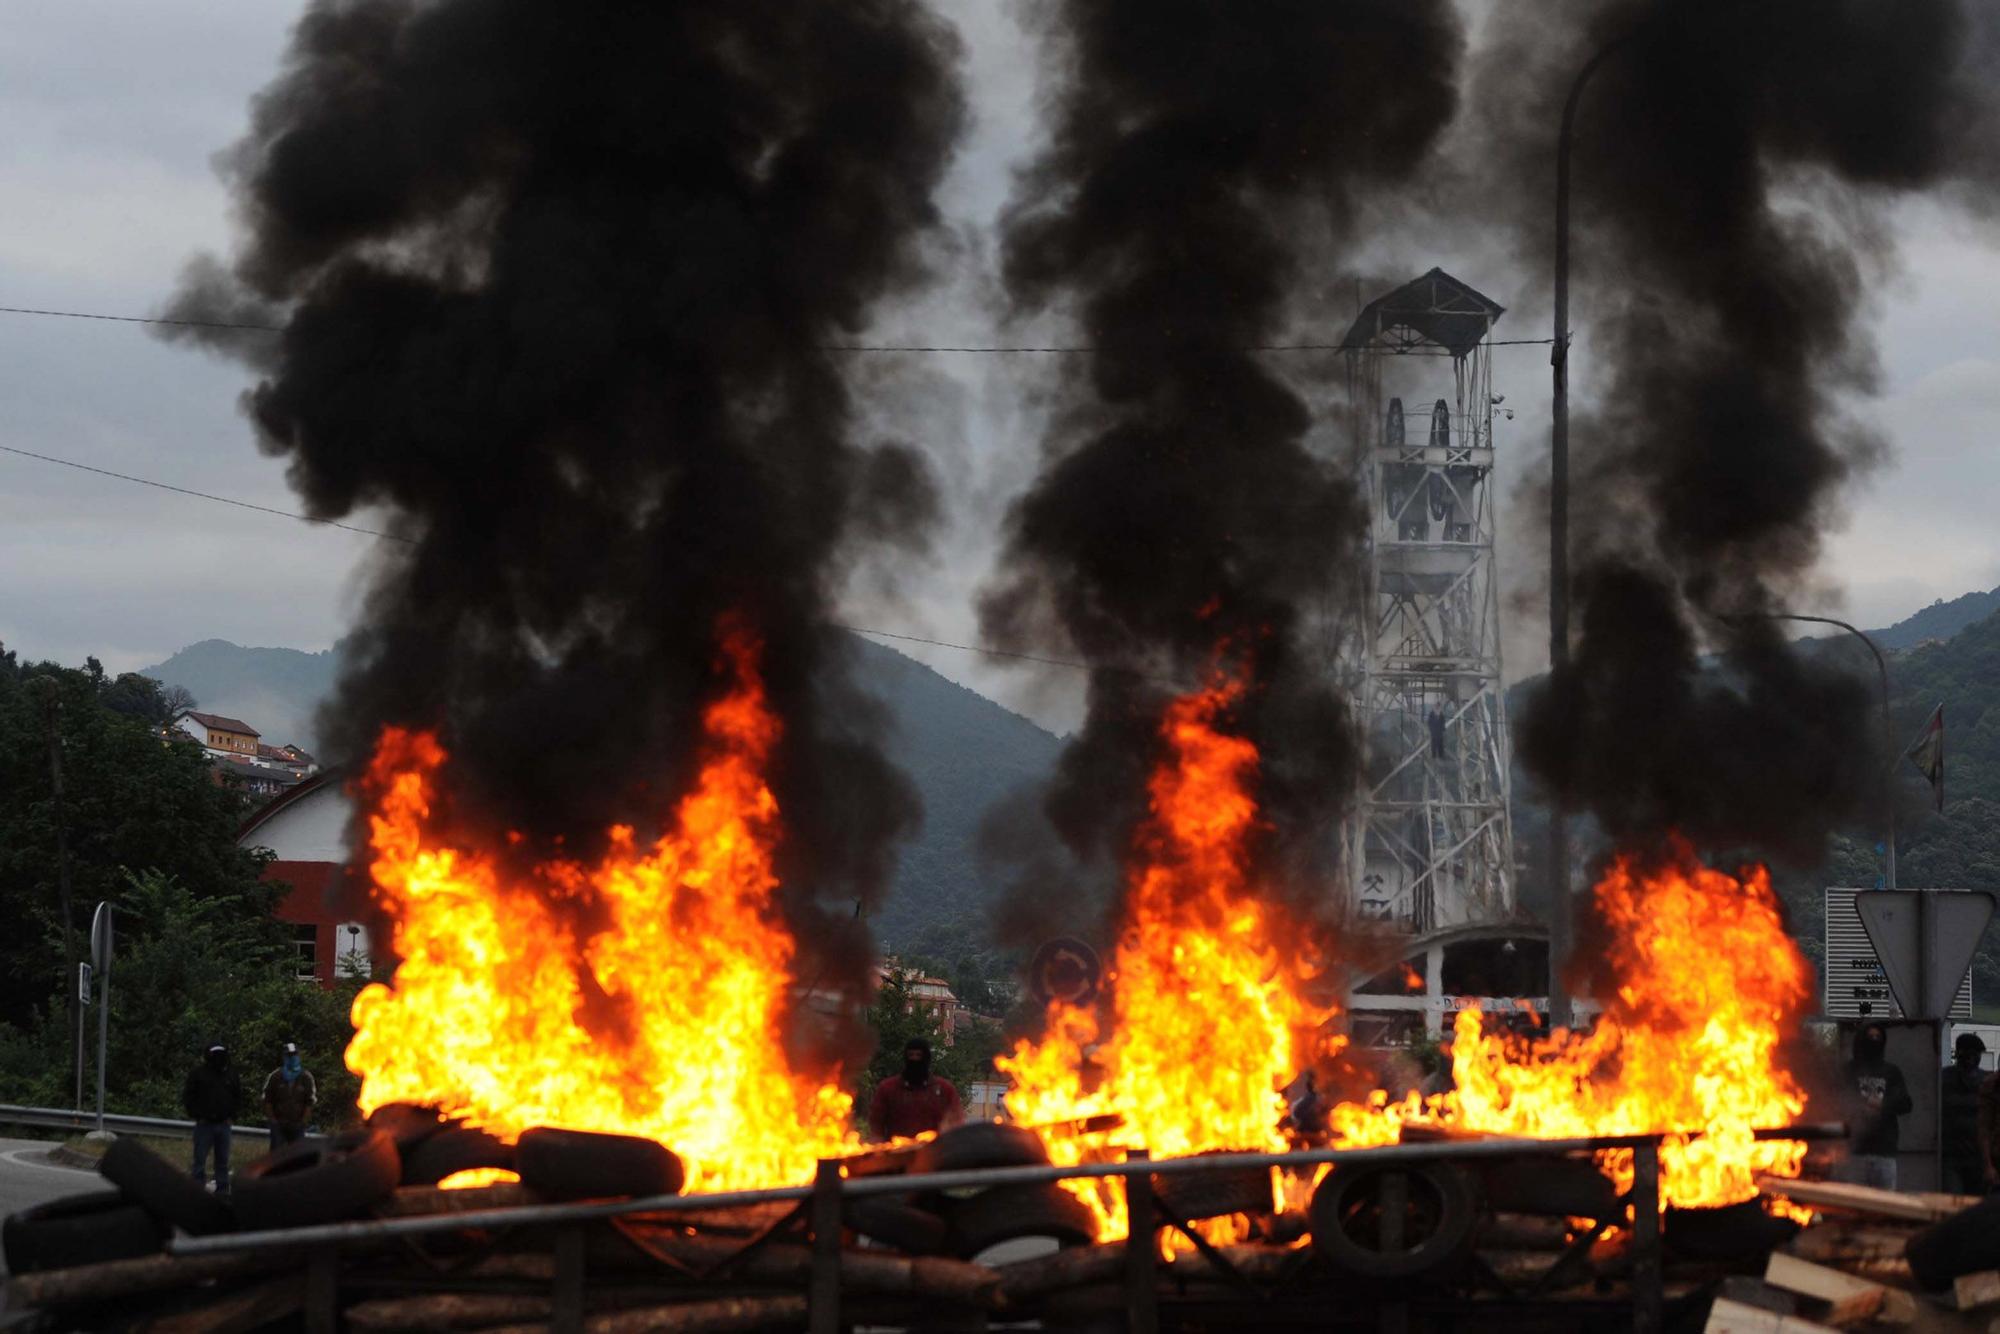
<point x="100" y="937"/>
<point x="1925" y="940"/>
<point x="1856" y="986"/>
<point x="83" y="983"/>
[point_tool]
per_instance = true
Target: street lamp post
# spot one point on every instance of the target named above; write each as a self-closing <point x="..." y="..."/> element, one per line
<point x="1561" y="910"/>
<point x="1888" y="724"/>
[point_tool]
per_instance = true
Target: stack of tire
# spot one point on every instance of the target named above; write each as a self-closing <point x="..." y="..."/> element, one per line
<point x="967" y="1223"/>
<point x="555" y="1164"/>
<point x="319" y="1181"/>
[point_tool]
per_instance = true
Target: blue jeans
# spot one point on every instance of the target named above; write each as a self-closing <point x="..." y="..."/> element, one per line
<point x="282" y="1134"/>
<point x="212" y="1135"/>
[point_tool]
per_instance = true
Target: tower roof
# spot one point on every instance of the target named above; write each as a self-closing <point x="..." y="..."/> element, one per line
<point x="1437" y="309"/>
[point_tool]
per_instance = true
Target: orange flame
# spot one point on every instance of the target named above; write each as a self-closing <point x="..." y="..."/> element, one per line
<point x="1210" y="1015"/>
<point x="661" y="1017"/>
<point x="1706" y="984"/>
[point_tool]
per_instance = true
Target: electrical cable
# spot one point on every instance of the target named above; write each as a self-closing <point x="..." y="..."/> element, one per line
<point x="397" y="537"/>
<point x="997" y="349"/>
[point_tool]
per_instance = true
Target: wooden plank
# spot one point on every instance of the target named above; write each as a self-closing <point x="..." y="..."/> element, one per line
<point x="1843" y="1291"/>
<point x="1980" y="1289"/>
<point x="1866" y="1199"/>
<point x="240" y="1311"/>
<point x="1845" y="1244"/>
<point x="1731" y="1317"/>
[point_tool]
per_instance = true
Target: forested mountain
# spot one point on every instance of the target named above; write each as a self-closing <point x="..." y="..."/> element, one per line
<point x="962" y="750"/>
<point x="275" y="690"/>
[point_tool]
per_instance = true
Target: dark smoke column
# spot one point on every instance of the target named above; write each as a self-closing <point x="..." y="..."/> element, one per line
<point x="557" y="282"/>
<point x="1198" y="149"/>
<point x="1731" y="166"/>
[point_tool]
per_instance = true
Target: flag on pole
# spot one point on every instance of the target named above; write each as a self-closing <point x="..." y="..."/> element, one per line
<point x="1927" y="753"/>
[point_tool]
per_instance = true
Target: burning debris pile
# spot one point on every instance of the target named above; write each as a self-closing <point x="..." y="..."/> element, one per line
<point x="486" y="1020"/>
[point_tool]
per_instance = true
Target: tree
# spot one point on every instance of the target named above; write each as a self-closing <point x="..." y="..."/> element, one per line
<point x="176" y="700"/>
<point x="131" y="798"/>
<point x="189" y="971"/>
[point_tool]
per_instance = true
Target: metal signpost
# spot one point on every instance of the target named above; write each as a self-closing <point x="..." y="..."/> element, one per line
<point x="100" y="959"/>
<point x="82" y="1012"/>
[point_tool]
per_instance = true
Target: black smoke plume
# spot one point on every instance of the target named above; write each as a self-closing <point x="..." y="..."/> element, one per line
<point x="557" y="284"/>
<point x="1198" y="150"/>
<point x="1731" y="166"/>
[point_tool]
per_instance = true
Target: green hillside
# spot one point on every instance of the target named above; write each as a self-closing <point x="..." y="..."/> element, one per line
<point x="275" y="690"/>
<point x="962" y="750"/>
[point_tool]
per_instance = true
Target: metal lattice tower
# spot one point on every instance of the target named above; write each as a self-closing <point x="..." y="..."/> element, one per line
<point x="1431" y="842"/>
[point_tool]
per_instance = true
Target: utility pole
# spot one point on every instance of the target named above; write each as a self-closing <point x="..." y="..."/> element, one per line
<point x="50" y="690"/>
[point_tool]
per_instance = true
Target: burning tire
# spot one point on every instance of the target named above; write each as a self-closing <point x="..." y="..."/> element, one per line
<point x="980" y="1144"/>
<point x="408" y="1124"/>
<point x="1965" y="1243"/>
<point x="1551" y="1187"/>
<point x="306" y="1183"/>
<point x="903" y="1226"/>
<point x="457" y="1149"/>
<point x="1728" y="1232"/>
<point x="1189" y="1197"/>
<point x="1393" y="1222"/>
<point x="163" y="1190"/>
<point x="1009" y="1213"/>
<point x="582" y="1164"/>
<point x="79" y="1230"/>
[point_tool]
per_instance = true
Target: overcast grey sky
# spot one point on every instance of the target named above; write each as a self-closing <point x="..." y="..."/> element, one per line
<point x="112" y="110"/>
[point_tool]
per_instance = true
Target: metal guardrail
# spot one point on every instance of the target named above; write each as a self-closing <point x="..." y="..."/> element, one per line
<point x="63" y="1118"/>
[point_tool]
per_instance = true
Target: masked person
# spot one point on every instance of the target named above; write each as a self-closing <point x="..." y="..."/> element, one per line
<point x="914" y="1101"/>
<point x="1958" y="1117"/>
<point x="289" y="1095"/>
<point x="1879" y="1097"/>
<point x="210" y="1097"/>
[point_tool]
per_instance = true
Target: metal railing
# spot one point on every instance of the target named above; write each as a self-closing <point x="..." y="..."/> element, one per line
<point x="63" y="1118"/>
<point x="831" y="1187"/>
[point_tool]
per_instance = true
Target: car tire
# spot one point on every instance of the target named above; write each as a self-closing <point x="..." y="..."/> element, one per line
<point x="163" y="1190"/>
<point x="1439" y="1215"/>
<point x="978" y="1144"/>
<point x="1009" y="1213"/>
<point x="457" y="1149"/>
<point x="1551" y="1188"/>
<point x="318" y="1181"/>
<point x="1188" y="1197"/>
<point x="583" y="1164"/>
<point x="408" y="1124"/>
<point x="1965" y="1243"/>
<point x="79" y="1230"/>
<point x="904" y="1226"/>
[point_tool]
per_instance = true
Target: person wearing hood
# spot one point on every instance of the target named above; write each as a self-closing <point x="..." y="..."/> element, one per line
<point x="210" y="1097"/>
<point x="914" y="1101"/>
<point x="1878" y="1097"/>
<point x="289" y="1095"/>
<point x="1958" y="1117"/>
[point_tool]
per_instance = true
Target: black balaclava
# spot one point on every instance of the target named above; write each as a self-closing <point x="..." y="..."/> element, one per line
<point x="217" y="1057"/>
<point x="1870" y="1042"/>
<point x="916" y="1069"/>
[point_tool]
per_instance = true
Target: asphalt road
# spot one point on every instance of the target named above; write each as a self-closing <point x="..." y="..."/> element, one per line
<point x="28" y="1178"/>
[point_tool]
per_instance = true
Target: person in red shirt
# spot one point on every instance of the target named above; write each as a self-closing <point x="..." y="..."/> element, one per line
<point x="916" y="1100"/>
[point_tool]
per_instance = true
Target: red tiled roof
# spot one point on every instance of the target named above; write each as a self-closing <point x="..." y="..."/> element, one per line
<point x="222" y="724"/>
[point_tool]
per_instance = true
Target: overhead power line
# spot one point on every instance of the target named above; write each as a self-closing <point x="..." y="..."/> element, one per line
<point x="1060" y="349"/>
<point x="204" y="495"/>
<point x="398" y="537"/>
